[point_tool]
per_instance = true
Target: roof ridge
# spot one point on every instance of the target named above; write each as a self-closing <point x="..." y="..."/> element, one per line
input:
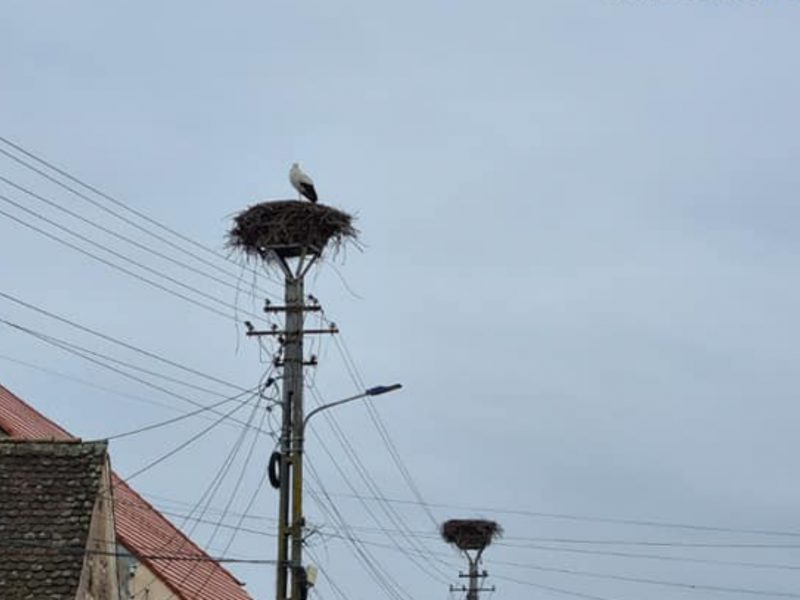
<point x="35" y="441"/>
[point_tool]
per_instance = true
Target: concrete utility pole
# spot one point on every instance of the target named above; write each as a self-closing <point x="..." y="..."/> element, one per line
<point x="291" y="459"/>
<point x="474" y="576"/>
<point x="291" y="235"/>
<point x="291" y="522"/>
<point x="293" y="398"/>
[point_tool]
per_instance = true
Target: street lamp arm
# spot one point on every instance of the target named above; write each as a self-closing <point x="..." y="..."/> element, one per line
<point x="373" y="391"/>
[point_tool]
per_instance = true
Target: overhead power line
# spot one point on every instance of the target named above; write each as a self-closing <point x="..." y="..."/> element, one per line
<point x="365" y="529"/>
<point x="550" y="588"/>
<point x="665" y="544"/>
<point x="122" y="205"/>
<point x="658" y="582"/>
<point x="72" y="549"/>
<point x="370" y="542"/>
<point x="207" y="496"/>
<point x="374" y="568"/>
<point x="117" y="267"/>
<point x="185" y="444"/>
<point x="173" y="420"/>
<point x="105" y="357"/>
<point x="86" y="383"/>
<point x="231" y="498"/>
<point x="662" y="557"/>
<point x="383" y="431"/>
<point x="628" y="579"/>
<point x="575" y="517"/>
<point x="144" y="247"/>
<point x="685" y="559"/>
<point x="72" y="349"/>
<point x="404" y="531"/>
<point x="117" y="341"/>
<point x="122" y="257"/>
<point x="337" y="590"/>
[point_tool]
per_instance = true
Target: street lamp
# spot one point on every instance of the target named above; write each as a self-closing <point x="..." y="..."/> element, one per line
<point x="302" y="578"/>
<point x="373" y="391"/>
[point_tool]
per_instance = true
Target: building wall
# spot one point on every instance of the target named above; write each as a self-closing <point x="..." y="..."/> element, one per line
<point x="144" y="585"/>
<point x="137" y="582"/>
<point x="99" y="576"/>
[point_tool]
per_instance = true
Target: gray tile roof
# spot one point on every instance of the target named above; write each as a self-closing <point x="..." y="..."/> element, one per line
<point x="47" y="494"/>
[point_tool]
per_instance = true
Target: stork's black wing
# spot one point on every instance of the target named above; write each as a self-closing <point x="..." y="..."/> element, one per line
<point x="308" y="191"/>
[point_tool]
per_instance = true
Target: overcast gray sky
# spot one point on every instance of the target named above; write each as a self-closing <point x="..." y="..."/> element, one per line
<point x="580" y="221"/>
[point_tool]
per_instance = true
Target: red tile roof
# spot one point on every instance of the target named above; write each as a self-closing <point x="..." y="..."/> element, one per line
<point x="140" y="527"/>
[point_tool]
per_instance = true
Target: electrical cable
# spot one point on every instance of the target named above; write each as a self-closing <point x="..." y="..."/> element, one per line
<point x="624" y="555"/>
<point x="387" y="532"/>
<point x="110" y="198"/>
<point x="208" y="494"/>
<point x="657" y="582"/>
<point x="86" y="383"/>
<point x="393" y="515"/>
<point x="80" y="550"/>
<point x="550" y="588"/>
<point x="232" y="497"/>
<point x="118" y="268"/>
<point x="57" y="343"/>
<point x="679" y="544"/>
<point x="53" y="204"/>
<point x="665" y="544"/>
<point x="118" y="255"/>
<point x="371" y="484"/>
<point x="173" y="420"/>
<point x="186" y="443"/>
<point x="117" y="341"/>
<point x="134" y="367"/>
<point x="662" y="557"/>
<point x="373" y="567"/>
<point x="337" y="590"/>
<point x="637" y="556"/>
<point x="574" y="517"/>
<point x="384" y="432"/>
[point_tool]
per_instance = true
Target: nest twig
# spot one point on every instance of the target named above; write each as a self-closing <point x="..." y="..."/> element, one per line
<point x="470" y="534"/>
<point x="290" y="227"/>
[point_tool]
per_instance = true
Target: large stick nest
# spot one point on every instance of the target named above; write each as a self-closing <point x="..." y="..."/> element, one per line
<point x="290" y="228"/>
<point x="470" y="534"/>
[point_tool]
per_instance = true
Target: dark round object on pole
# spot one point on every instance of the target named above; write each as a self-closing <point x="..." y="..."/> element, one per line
<point x="274" y="470"/>
<point x="290" y="228"/>
<point x="470" y="534"/>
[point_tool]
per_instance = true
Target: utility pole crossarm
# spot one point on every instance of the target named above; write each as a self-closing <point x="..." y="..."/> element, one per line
<point x="287" y="332"/>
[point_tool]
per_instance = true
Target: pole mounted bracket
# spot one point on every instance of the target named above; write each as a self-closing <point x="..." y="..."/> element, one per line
<point x="281" y="332"/>
<point x="279" y="362"/>
<point x="463" y="588"/>
<point x="268" y="308"/>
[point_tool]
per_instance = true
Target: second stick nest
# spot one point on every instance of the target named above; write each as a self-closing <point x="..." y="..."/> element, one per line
<point x="470" y="534"/>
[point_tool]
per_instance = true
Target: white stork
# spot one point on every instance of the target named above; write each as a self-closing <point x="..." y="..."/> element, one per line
<point x="302" y="183"/>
